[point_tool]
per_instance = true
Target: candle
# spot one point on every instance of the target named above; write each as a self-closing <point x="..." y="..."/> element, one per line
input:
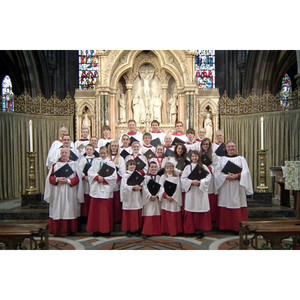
<point x="262" y="133"/>
<point x="30" y="137"/>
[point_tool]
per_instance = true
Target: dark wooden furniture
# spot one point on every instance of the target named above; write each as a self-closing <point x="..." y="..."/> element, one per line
<point x="272" y="231"/>
<point x="13" y="236"/>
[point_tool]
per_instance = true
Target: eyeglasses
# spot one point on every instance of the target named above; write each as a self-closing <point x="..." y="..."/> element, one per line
<point x="205" y="144"/>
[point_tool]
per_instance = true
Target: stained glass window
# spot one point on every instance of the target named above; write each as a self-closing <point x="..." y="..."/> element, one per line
<point x="7" y="95"/>
<point x="88" y="69"/>
<point x="285" y="92"/>
<point x="205" y="69"/>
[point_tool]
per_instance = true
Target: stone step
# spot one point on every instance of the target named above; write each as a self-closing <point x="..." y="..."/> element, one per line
<point x="270" y="212"/>
<point x="26" y="214"/>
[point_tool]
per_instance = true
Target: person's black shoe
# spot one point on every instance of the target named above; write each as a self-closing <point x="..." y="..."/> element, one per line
<point x="129" y="234"/>
<point x="145" y="236"/>
<point x="137" y="234"/>
<point x="200" y="235"/>
<point x="106" y="234"/>
<point x="96" y="234"/>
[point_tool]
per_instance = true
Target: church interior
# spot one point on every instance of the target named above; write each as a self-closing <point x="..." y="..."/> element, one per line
<point x="238" y="91"/>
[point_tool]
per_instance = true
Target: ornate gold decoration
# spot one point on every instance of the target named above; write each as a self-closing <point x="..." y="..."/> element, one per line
<point x="254" y="104"/>
<point x="42" y="106"/>
<point x="262" y="188"/>
<point x="32" y="190"/>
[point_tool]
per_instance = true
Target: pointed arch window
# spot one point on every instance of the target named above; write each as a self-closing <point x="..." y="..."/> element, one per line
<point x="7" y="95"/>
<point x="205" y="69"/>
<point x="285" y="92"/>
<point x="88" y="69"/>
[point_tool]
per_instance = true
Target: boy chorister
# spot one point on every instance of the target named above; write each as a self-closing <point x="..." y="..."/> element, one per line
<point x="151" y="205"/>
<point x="171" y="216"/>
<point x="135" y="154"/>
<point x="131" y="199"/>
<point x="146" y="143"/>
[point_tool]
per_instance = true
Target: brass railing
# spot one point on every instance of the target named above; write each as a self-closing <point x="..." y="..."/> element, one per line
<point x="254" y="104"/>
<point x="42" y="106"/>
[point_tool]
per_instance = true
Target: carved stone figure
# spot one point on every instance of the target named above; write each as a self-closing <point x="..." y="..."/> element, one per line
<point x="122" y="104"/>
<point x="208" y="125"/>
<point x="172" y="103"/>
<point x="86" y="121"/>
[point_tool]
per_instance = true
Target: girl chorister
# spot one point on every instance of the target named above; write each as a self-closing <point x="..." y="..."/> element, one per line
<point x="131" y="199"/>
<point x="171" y="216"/>
<point x="136" y="153"/>
<point x="151" y="205"/>
<point x="84" y="164"/>
<point x="206" y="149"/>
<point x="160" y="159"/>
<point x="100" y="219"/>
<point x="118" y="160"/>
<point x="196" y="206"/>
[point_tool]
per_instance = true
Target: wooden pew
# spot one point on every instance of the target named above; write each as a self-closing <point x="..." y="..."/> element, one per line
<point x="272" y="231"/>
<point x="13" y="235"/>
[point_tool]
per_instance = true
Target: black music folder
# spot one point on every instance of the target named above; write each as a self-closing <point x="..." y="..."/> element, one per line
<point x="221" y="150"/>
<point x="132" y="140"/>
<point x="155" y="142"/>
<point x="231" y="167"/>
<point x="169" y="152"/>
<point x="182" y="163"/>
<point x="64" y="171"/>
<point x="140" y="165"/>
<point x="161" y="172"/>
<point x="124" y="153"/>
<point x="153" y="187"/>
<point x="86" y="168"/>
<point x="73" y="156"/>
<point x="205" y="159"/>
<point x="135" y="179"/>
<point x="170" y="188"/>
<point x="198" y="173"/>
<point x="149" y="154"/>
<point x="177" y="141"/>
<point x="106" y="170"/>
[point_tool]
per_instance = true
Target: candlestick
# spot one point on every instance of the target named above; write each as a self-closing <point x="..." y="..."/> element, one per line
<point x="30" y="137"/>
<point x="262" y="133"/>
<point x="32" y="189"/>
<point x="262" y="187"/>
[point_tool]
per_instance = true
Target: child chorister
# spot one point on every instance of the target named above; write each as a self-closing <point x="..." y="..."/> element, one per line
<point x="100" y="219"/>
<point x="171" y="216"/>
<point x="84" y="164"/>
<point x="136" y="153"/>
<point x="151" y="205"/>
<point x="196" y="207"/>
<point x="131" y="199"/>
<point x="118" y="160"/>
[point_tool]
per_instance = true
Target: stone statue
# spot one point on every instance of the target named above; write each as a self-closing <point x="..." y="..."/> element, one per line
<point x="122" y="104"/>
<point x="157" y="103"/>
<point x="147" y="95"/>
<point x="172" y="103"/>
<point x="208" y="125"/>
<point x="86" y="121"/>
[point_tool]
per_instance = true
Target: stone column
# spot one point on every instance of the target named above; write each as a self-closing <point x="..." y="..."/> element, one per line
<point x="181" y="109"/>
<point x="297" y="77"/>
<point x="113" y="114"/>
<point x="129" y="101"/>
<point x="164" y="118"/>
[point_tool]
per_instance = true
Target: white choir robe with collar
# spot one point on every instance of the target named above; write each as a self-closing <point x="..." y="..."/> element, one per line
<point x="64" y="199"/>
<point x="192" y="146"/>
<point x="55" y="145"/>
<point x="145" y="148"/>
<point x="131" y="206"/>
<point x="121" y="170"/>
<point x="102" y="142"/>
<point x="232" y="199"/>
<point x="171" y="215"/>
<point x="181" y="136"/>
<point x="161" y="135"/>
<point x="100" y="217"/>
<point x="151" y="209"/>
<point x="86" y="186"/>
<point x="143" y="158"/>
<point x="81" y="142"/>
<point x="196" y="204"/>
<point x="137" y="135"/>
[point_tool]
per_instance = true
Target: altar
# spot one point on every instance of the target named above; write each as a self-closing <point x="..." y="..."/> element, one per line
<point x="146" y="85"/>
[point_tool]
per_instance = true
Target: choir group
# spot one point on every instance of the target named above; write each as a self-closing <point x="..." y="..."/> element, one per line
<point x="152" y="183"/>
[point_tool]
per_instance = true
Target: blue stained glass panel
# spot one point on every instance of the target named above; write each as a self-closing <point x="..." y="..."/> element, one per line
<point x="205" y="69"/>
<point x="88" y="69"/>
<point x="7" y="95"/>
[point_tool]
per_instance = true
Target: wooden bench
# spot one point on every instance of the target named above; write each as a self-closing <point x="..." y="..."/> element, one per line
<point x="272" y="231"/>
<point x="13" y="235"/>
